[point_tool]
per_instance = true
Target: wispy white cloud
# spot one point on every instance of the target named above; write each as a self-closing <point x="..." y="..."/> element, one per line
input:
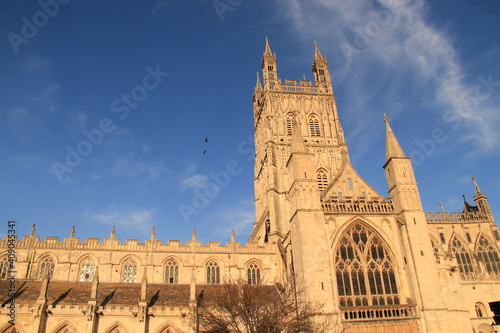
<point x="392" y="38"/>
<point x="160" y="4"/>
<point x="138" y="219"/>
<point x="195" y="181"/>
<point x="134" y="167"/>
<point x="16" y="115"/>
<point x="29" y="161"/>
<point x="239" y="217"/>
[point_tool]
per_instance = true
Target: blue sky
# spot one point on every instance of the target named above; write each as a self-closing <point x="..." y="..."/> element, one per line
<point x="135" y="87"/>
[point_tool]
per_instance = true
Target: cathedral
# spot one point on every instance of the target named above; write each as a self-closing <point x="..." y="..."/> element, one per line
<point x="378" y="263"/>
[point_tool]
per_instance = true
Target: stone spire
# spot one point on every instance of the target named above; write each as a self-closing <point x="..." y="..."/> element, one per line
<point x="258" y="85"/>
<point x="392" y="147"/>
<point x="476" y="187"/>
<point x="267" y="50"/>
<point x="317" y="54"/>
<point x="33" y="228"/>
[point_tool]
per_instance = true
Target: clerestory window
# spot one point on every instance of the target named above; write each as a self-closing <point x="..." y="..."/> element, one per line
<point x="314" y="126"/>
<point x="213" y="273"/>
<point x="463" y="256"/>
<point x="129" y="271"/>
<point x="87" y="270"/>
<point x="488" y="254"/>
<point x="253" y="274"/>
<point x="171" y="272"/>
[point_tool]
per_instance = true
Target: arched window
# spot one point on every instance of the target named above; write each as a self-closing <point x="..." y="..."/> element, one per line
<point x="87" y="270"/>
<point x="289" y="124"/>
<point x="463" y="256"/>
<point x="364" y="269"/>
<point x="46" y="266"/>
<point x="171" y="272"/>
<point x="488" y="254"/>
<point x="253" y="274"/>
<point x="166" y="330"/>
<point x="480" y="310"/>
<point x="213" y="273"/>
<point x="11" y="329"/>
<point x="65" y="329"/>
<point x="438" y="250"/>
<point x="129" y="271"/>
<point x="4" y="267"/>
<point x="322" y="177"/>
<point x="314" y="126"/>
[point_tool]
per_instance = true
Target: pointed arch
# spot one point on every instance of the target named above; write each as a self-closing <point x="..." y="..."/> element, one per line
<point x="488" y="254"/>
<point x="461" y="252"/>
<point x="46" y="264"/>
<point x="480" y="310"/>
<point x="322" y="178"/>
<point x="314" y="125"/>
<point x="65" y="327"/>
<point x="437" y="249"/>
<point x="254" y="272"/>
<point x="9" y="328"/>
<point x="365" y="268"/>
<point x="166" y="329"/>
<point x="129" y="269"/>
<point x="4" y="266"/>
<point x="289" y="123"/>
<point x="116" y="328"/>
<point x="87" y="268"/>
<point x="212" y="269"/>
<point x="171" y="269"/>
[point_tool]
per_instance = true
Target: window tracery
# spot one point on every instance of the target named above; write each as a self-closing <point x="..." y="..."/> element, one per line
<point x="365" y="271"/>
<point x="289" y="124"/>
<point x="480" y="309"/>
<point x="253" y="274"/>
<point x="4" y="267"/>
<point x="213" y="273"/>
<point x="171" y="272"/>
<point x="322" y="177"/>
<point x="129" y="271"/>
<point x="87" y="270"/>
<point x="463" y="256"/>
<point x="314" y="126"/>
<point x="47" y="265"/>
<point x="488" y="254"/>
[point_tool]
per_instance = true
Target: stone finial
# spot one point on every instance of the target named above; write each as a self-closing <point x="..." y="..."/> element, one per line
<point x="233" y="235"/>
<point x="72" y="234"/>
<point x="153" y="233"/>
<point x="113" y="232"/>
<point x="442" y="207"/>
<point x="194" y="234"/>
<point x="386" y="118"/>
<point x="32" y="232"/>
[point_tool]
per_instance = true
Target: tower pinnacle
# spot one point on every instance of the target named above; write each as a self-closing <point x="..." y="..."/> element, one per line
<point x="392" y="147"/>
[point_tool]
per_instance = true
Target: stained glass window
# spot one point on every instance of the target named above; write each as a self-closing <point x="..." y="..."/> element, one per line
<point x="365" y="271"/>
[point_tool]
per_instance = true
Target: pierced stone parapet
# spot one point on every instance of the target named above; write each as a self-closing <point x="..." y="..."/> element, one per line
<point x="456" y="217"/>
<point x="359" y="205"/>
<point x="385" y="312"/>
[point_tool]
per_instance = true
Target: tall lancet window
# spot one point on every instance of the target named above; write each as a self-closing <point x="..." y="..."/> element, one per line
<point x="463" y="256"/>
<point x="213" y="273"/>
<point x="289" y="124"/>
<point x="129" y="271"/>
<point x="314" y="126"/>
<point x="87" y="270"/>
<point x="365" y="271"/>
<point x="322" y="177"/>
<point x="171" y="272"/>
<point x="46" y="266"/>
<point x="488" y="254"/>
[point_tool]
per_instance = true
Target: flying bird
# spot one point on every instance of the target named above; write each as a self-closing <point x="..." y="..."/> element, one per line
<point x="206" y="139"/>
<point x="204" y="152"/>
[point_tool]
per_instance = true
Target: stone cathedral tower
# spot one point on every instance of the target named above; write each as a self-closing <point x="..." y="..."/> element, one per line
<point x="368" y="258"/>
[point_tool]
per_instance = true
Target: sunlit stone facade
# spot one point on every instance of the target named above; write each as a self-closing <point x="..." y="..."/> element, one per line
<point x="378" y="263"/>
